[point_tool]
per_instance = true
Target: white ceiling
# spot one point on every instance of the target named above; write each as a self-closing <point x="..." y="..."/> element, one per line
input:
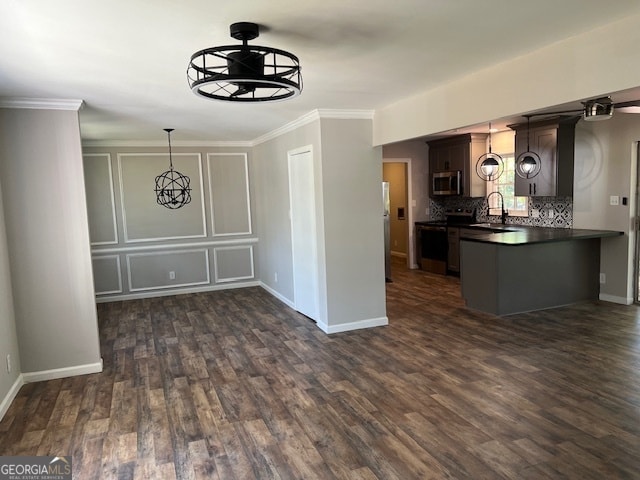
<point x="127" y="59"/>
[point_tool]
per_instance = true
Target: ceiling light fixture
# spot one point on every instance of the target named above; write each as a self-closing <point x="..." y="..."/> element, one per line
<point x="244" y="73"/>
<point x="172" y="187"/>
<point x="489" y="165"/>
<point x="528" y="164"/>
<point x="599" y="109"/>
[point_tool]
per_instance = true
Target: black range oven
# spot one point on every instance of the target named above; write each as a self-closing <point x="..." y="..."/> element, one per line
<point x="438" y="242"/>
<point x="432" y="246"/>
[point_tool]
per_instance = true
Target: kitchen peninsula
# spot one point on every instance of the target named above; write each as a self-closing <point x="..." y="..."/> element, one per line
<point x="507" y="269"/>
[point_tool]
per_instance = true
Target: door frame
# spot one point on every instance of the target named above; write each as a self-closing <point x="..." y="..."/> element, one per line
<point x="411" y="247"/>
<point x="635" y="225"/>
<point x="312" y="239"/>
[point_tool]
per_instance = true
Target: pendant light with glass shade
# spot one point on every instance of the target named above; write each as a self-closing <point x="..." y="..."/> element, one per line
<point x="490" y="165"/>
<point x="528" y="164"/>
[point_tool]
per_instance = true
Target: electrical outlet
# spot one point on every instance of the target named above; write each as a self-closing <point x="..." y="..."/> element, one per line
<point x="275" y="277"/>
<point x="603" y="278"/>
<point x="551" y="213"/>
<point x="614" y="200"/>
<point x="8" y="363"/>
<point x="172" y="275"/>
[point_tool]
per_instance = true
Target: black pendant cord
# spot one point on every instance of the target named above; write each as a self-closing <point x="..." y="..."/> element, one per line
<point x="169" y="130"/>
<point x="490" y="137"/>
<point x="528" y="120"/>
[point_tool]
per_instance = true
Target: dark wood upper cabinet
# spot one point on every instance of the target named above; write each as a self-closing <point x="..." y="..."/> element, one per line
<point x="554" y="141"/>
<point x="459" y="153"/>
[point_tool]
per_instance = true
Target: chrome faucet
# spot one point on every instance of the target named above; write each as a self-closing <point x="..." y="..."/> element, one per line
<point x="503" y="212"/>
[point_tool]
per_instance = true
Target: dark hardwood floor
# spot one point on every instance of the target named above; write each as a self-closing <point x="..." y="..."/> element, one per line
<point x="235" y="385"/>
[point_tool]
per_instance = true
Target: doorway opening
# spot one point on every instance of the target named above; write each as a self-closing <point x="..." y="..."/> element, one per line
<point x="397" y="171"/>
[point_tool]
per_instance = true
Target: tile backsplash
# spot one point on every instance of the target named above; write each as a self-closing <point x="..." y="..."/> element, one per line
<point x="562" y="211"/>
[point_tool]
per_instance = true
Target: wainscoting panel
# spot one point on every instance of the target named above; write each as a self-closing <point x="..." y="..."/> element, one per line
<point x="229" y="187"/>
<point x="150" y="271"/>
<point x="233" y="263"/>
<point x="143" y="219"/>
<point x="107" y="275"/>
<point x="98" y="178"/>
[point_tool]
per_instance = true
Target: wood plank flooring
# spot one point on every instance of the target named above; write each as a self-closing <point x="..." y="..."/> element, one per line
<point x="235" y="385"/>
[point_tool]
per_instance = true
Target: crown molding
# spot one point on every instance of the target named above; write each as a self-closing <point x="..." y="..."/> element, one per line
<point x="158" y="143"/>
<point x="289" y="127"/>
<point x="312" y="116"/>
<point x="42" y="103"/>
<point x="346" y="114"/>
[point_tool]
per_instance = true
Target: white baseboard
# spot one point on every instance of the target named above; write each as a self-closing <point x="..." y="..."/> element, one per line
<point x="278" y="295"/>
<point x="31" y="377"/>
<point x="346" y="327"/>
<point x="62" y="372"/>
<point x="175" y="291"/>
<point x="11" y="395"/>
<point x="615" y="299"/>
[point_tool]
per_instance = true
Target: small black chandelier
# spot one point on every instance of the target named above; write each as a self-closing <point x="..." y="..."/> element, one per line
<point x="172" y="187"/>
<point x="244" y="73"/>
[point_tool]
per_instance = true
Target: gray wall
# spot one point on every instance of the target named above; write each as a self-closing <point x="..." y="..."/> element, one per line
<point x="142" y="249"/>
<point x="271" y="186"/>
<point x="48" y="242"/>
<point x="606" y="165"/>
<point x="9" y="337"/>
<point x="417" y="151"/>
<point x="348" y="220"/>
<point x="354" y="241"/>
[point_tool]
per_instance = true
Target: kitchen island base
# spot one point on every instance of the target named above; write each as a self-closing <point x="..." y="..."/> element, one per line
<point x="506" y="279"/>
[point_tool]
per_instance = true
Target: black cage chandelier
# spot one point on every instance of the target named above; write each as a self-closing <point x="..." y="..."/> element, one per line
<point x="172" y="187"/>
<point x="244" y="73"/>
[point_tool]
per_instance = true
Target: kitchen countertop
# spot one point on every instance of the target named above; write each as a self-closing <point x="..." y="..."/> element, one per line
<point x="499" y="234"/>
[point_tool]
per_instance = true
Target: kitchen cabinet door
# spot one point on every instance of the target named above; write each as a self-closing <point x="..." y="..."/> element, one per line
<point x="460" y="153"/>
<point x="542" y="141"/>
<point x="554" y="143"/>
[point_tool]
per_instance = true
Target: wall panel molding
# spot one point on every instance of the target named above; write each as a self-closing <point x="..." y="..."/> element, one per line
<point x="118" y="271"/>
<point x="142" y="218"/>
<point x="155" y="271"/>
<point x="224" y="272"/>
<point x="112" y="199"/>
<point x="174" y="246"/>
<point x="235" y="190"/>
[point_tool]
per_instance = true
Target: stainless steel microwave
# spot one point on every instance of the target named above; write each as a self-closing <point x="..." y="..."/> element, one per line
<point x="447" y="183"/>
